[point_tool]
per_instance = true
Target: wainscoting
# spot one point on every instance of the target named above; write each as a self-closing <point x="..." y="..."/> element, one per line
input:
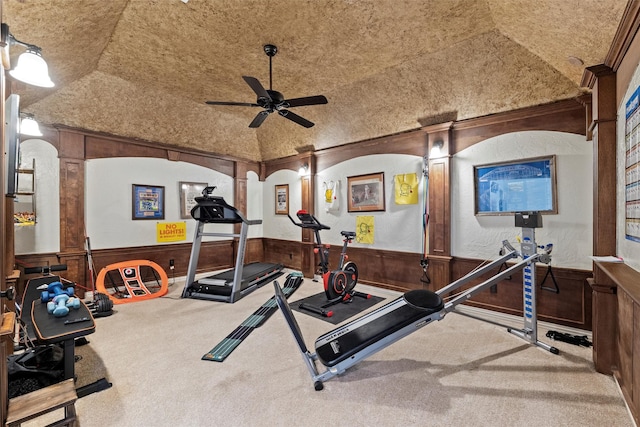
<point x="399" y="271"/>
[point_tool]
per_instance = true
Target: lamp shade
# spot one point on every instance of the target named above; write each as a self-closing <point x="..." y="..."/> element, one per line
<point x="32" y="69"/>
<point x="30" y="127"/>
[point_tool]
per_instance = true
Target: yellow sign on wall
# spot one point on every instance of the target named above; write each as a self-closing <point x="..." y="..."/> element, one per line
<point x="171" y="231"/>
<point x="364" y="229"/>
<point x="406" y="189"/>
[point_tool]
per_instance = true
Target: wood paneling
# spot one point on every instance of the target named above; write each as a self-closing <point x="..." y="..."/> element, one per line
<point x="626" y="343"/>
<point x="214" y="255"/>
<point x="98" y="147"/>
<point x="412" y="142"/>
<point x="286" y="252"/>
<point x="401" y="271"/>
<point x="291" y="163"/>
<point x="624" y="373"/>
<point x="571" y="307"/>
<point x="562" y="116"/>
<point x="604" y="325"/>
<point x="604" y="164"/>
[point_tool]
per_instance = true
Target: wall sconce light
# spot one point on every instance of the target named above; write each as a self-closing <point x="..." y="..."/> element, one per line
<point x="436" y="149"/>
<point x="304" y="170"/>
<point x="29" y="126"/>
<point x="31" y="68"/>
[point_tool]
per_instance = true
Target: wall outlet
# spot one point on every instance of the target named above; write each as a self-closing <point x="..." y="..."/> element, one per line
<point x="171" y="263"/>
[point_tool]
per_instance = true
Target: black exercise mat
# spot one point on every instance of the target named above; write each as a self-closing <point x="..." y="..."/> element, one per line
<point x="341" y="311"/>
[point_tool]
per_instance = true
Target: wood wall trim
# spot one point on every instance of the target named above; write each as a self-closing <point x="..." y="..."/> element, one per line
<point x="291" y="163"/>
<point x="100" y="145"/>
<point x="625" y="33"/>
<point x="562" y="116"/>
<point x="100" y="148"/>
<point x="412" y="143"/>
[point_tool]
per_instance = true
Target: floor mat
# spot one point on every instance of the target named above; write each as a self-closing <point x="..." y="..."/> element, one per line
<point x="341" y="312"/>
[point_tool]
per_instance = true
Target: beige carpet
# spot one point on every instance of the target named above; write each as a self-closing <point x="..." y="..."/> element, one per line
<point x="457" y="372"/>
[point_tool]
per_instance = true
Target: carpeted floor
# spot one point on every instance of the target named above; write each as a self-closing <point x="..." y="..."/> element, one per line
<point x="457" y="372"/>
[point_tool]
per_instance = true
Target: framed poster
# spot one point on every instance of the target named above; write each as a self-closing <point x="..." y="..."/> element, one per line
<point x="282" y="199"/>
<point x="365" y="192"/>
<point x="188" y="193"/>
<point x="148" y="202"/>
<point x="516" y="186"/>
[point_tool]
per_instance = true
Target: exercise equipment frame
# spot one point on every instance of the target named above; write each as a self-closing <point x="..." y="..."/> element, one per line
<point x="231" y="285"/>
<point x="347" y="345"/>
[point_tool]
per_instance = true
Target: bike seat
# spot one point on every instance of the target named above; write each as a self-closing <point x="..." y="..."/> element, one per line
<point x="348" y="234"/>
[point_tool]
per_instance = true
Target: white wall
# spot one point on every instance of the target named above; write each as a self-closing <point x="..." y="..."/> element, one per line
<point x="108" y="198"/>
<point x="570" y="230"/>
<point x="44" y="237"/>
<point x="254" y="204"/>
<point x="629" y="250"/>
<point x="279" y="226"/>
<point x="399" y="228"/>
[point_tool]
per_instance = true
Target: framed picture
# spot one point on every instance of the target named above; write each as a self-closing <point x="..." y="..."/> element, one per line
<point x="148" y="202"/>
<point x="365" y="192"/>
<point x="188" y="193"/>
<point x="516" y="186"/>
<point x="282" y="199"/>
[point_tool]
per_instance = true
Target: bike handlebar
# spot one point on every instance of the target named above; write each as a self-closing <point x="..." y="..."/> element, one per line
<point x="308" y="221"/>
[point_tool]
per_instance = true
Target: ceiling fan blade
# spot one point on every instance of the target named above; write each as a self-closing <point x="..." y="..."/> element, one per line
<point x="257" y="121"/>
<point x="257" y="87"/>
<point x="296" y="118"/>
<point x="241" y="104"/>
<point x="307" y="100"/>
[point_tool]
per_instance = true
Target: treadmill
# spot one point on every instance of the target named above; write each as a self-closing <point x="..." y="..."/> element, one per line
<point x="231" y="285"/>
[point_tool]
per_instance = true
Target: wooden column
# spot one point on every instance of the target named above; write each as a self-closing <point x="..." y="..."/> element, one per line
<point x="603" y="132"/>
<point x="308" y="203"/>
<point x="72" y="225"/>
<point x="439" y="251"/>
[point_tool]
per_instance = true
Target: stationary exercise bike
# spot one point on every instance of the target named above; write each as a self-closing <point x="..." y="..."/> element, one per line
<point x="339" y="284"/>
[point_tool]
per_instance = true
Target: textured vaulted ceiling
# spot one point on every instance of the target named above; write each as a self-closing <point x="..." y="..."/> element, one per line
<point x="144" y="68"/>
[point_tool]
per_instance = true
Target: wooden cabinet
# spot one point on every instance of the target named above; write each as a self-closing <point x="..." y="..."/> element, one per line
<point x="626" y="348"/>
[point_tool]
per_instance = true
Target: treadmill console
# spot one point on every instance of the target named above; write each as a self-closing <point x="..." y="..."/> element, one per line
<point x="214" y="209"/>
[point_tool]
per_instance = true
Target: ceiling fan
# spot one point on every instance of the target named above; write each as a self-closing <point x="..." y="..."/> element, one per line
<point x="271" y="100"/>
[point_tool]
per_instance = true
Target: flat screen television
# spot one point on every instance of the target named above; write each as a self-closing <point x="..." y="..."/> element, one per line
<point x="516" y="186"/>
<point x="11" y="144"/>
